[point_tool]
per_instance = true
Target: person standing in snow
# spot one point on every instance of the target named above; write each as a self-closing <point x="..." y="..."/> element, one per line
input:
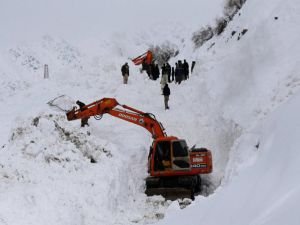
<point x="173" y="73"/>
<point x="176" y="73"/>
<point x="155" y="72"/>
<point x="150" y="71"/>
<point x="164" y="77"/>
<point x="185" y="69"/>
<point x="84" y="121"/>
<point x="193" y="65"/>
<point x="125" y="72"/>
<point x="168" y="71"/>
<point x="179" y="73"/>
<point x="166" y="93"/>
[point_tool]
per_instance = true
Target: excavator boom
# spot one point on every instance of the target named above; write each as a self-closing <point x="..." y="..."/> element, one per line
<point x="124" y="112"/>
<point x="146" y="57"/>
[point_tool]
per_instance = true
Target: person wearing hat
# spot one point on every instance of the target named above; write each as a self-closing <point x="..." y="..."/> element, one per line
<point x="125" y="72"/>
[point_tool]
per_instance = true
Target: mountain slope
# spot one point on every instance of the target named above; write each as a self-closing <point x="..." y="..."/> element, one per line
<point x="232" y="104"/>
<point x="253" y="80"/>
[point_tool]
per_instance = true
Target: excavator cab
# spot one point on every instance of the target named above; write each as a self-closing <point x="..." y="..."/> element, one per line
<point x="181" y="159"/>
<point x="169" y="156"/>
<point x="169" y="168"/>
<point x="174" y="169"/>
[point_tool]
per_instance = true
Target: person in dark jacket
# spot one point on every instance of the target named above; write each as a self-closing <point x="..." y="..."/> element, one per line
<point x="144" y="65"/>
<point x="166" y="93"/>
<point x="179" y="73"/>
<point x="176" y="73"/>
<point x="193" y="65"/>
<point x="164" y="77"/>
<point x="186" y="69"/>
<point x="168" y="71"/>
<point x="125" y="72"/>
<point x="150" y="71"/>
<point x="84" y="121"/>
<point x="173" y="73"/>
<point x="156" y="72"/>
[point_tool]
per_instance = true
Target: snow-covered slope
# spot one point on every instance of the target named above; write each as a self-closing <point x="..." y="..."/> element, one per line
<point x="53" y="171"/>
<point x="264" y="189"/>
<point x="250" y="80"/>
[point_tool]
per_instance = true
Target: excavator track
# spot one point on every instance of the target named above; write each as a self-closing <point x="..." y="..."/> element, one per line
<point x="172" y="188"/>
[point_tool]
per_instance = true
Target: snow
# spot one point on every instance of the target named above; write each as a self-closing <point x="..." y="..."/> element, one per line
<point x="264" y="189"/>
<point x="242" y="102"/>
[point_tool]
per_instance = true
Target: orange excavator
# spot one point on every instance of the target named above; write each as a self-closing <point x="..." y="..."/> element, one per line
<point x="174" y="169"/>
<point x="146" y="58"/>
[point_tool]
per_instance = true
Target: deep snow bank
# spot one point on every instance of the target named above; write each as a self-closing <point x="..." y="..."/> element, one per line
<point x="248" y="77"/>
<point x="264" y="189"/>
<point x="54" y="173"/>
<point x="249" y="80"/>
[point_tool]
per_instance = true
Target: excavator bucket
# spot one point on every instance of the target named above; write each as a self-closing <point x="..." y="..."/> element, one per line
<point x="62" y="103"/>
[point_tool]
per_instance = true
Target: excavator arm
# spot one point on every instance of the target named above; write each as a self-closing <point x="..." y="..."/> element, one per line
<point x="124" y="112"/>
<point x="146" y="57"/>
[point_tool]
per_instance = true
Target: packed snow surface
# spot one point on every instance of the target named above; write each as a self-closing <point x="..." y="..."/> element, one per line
<point x="241" y="101"/>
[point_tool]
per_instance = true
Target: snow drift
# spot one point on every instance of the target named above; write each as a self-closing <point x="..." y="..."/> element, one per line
<point x="240" y="102"/>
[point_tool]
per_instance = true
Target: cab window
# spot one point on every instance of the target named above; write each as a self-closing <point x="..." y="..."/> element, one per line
<point x="180" y="149"/>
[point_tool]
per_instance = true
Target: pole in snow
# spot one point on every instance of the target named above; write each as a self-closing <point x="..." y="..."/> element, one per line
<point x="46" y="71"/>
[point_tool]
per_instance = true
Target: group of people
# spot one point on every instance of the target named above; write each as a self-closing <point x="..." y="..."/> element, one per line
<point x="178" y="73"/>
<point x="168" y="75"/>
<point x="181" y="71"/>
<point x="153" y="70"/>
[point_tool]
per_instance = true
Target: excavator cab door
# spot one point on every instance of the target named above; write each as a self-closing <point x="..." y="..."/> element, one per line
<point x="162" y="156"/>
<point x="180" y="155"/>
<point x="171" y="155"/>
